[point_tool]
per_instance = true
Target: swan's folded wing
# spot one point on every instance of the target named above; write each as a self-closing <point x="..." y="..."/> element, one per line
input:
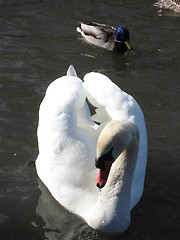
<point x="102" y="92"/>
<point x="66" y="149"/>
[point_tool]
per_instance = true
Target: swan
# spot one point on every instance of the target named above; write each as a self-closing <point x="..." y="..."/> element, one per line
<point x="71" y="142"/>
<point x="106" y="36"/>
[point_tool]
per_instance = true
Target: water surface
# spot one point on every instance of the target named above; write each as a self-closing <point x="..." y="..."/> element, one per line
<point x="38" y="42"/>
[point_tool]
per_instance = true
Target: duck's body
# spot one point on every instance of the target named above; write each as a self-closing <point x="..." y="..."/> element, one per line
<point x="68" y="136"/>
<point x="105" y="36"/>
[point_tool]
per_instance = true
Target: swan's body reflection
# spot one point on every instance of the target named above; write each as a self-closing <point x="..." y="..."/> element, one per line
<point x="59" y="223"/>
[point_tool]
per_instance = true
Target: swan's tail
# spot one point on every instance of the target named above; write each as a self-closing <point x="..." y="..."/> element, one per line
<point x="71" y="71"/>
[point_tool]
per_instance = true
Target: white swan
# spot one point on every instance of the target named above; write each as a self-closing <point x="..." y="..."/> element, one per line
<point x="67" y="138"/>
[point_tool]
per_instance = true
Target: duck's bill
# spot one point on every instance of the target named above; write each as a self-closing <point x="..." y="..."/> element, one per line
<point x="128" y="45"/>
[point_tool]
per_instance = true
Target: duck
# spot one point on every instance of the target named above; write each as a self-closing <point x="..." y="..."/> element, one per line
<point x="92" y="164"/>
<point x="106" y="36"/>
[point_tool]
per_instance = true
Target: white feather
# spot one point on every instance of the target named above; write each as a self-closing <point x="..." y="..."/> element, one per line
<point x="67" y="138"/>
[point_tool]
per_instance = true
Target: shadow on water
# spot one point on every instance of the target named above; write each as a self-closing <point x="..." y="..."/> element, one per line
<point x="38" y="42"/>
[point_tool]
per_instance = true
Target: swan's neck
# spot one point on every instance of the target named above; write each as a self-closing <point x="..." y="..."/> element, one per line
<point x="113" y="204"/>
<point x="121" y="174"/>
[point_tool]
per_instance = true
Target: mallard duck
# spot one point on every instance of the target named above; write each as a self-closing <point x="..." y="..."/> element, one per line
<point x="106" y="36"/>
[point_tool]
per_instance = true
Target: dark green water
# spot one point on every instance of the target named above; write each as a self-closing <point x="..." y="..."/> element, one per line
<point x="38" y="41"/>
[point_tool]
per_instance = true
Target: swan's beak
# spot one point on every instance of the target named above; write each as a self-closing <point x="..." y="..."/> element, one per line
<point x="103" y="174"/>
<point x="104" y="163"/>
<point x="128" y="45"/>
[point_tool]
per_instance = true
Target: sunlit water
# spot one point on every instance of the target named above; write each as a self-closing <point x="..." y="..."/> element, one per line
<point x="38" y="42"/>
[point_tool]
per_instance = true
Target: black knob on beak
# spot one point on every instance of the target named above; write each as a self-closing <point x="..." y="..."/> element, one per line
<point x="99" y="163"/>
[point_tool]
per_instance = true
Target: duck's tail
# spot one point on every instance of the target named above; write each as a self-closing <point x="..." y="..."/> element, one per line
<point x="78" y="29"/>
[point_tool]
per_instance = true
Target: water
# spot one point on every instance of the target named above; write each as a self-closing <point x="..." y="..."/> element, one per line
<point x="38" y="43"/>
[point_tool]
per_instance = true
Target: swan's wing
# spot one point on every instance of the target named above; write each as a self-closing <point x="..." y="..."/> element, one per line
<point x="66" y="149"/>
<point x="102" y="92"/>
<point x="58" y="111"/>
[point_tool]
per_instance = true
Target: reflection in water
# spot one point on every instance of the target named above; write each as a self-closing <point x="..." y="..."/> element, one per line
<point x="59" y="223"/>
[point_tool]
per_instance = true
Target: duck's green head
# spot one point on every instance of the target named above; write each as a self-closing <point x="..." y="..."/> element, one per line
<point x="122" y="36"/>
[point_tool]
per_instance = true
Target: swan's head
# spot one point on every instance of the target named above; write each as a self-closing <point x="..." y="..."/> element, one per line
<point x="113" y="140"/>
<point x="105" y="147"/>
<point x="104" y="163"/>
